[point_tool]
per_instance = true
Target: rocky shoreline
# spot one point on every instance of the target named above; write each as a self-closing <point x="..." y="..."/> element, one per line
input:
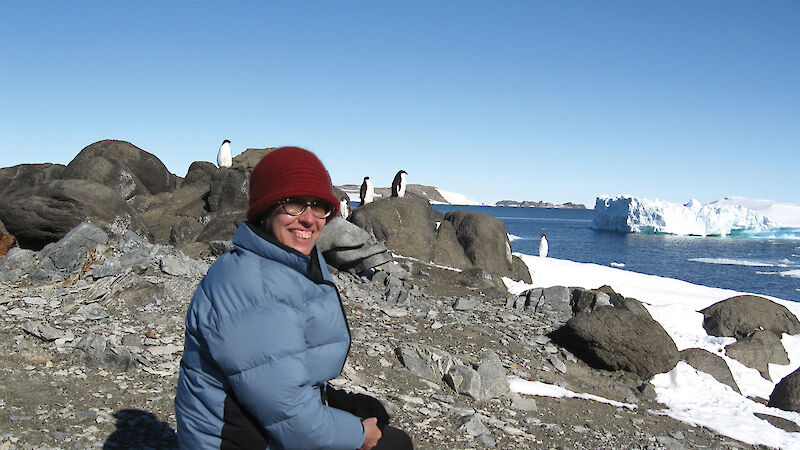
<point x="90" y="357"/>
<point x="92" y="312"/>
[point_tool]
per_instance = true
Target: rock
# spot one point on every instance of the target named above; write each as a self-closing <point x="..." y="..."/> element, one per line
<point x="396" y="291"/>
<point x="473" y="426"/>
<point x="222" y="226"/>
<point x="617" y="339"/>
<point x="467" y="303"/>
<point x="779" y="422"/>
<point x="249" y="158"/>
<point x="553" y="301"/>
<point x="522" y="403"/>
<point x="407" y="223"/>
<point x="742" y="315"/>
<point x="339" y="233"/>
<point x="179" y="266"/>
<point x="520" y="270"/>
<point x="42" y="331"/>
<point x="123" y="167"/>
<point x="464" y="380"/>
<point x="758" y="350"/>
<point x="72" y="251"/>
<point x="229" y="190"/>
<point x="363" y="219"/>
<point x="92" y="311"/>
<point x="425" y="361"/>
<point x="712" y="364"/>
<point x="447" y="250"/>
<point x="484" y="240"/>
<point x="786" y="394"/>
<point x="16" y="262"/>
<point x="494" y="380"/>
<point x="347" y="246"/>
<point x="98" y="350"/>
<point x="200" y="172"/>
<point x="23" y="179"/>
<point x="53" y="209"/>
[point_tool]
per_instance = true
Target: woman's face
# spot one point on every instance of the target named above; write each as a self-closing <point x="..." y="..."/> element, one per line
<point x="298" y="232"/>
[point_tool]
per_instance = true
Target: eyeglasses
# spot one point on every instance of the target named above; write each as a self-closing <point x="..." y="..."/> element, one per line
<point x="296" y="206"/>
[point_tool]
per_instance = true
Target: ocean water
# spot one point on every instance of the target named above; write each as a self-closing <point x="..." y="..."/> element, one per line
<point x="744" y="263"/>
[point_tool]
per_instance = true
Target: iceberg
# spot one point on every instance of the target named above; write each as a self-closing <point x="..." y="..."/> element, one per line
<point x="637" y="215"/>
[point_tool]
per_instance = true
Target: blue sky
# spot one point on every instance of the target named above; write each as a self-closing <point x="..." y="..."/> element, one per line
<point x="524" y="100"/>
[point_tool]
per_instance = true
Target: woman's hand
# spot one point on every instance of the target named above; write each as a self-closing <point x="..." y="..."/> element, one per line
<point x="372" y="433"/>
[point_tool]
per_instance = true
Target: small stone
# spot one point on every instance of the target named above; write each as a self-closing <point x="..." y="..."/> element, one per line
<point x="395" y="312"/>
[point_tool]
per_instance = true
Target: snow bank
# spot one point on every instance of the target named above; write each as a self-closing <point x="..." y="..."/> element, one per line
<point x="635" y="215"/>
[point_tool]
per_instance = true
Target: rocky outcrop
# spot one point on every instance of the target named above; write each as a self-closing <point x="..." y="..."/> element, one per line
<point x="786" y="394"/>
<point x="123" y="167"/>
<point x="742" y="315"/>
<point x="47" y="213"/>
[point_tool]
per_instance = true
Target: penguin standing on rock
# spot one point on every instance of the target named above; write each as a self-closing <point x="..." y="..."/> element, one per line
<point x="224" y="158"/>
<point x="344" y="207"/>
<point x="367" y="191"/>
<point x="399" y="184"/>
<point x="543" y="247"/>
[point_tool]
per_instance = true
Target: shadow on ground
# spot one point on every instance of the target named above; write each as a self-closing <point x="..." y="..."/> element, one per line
<point x="140" y="429"/>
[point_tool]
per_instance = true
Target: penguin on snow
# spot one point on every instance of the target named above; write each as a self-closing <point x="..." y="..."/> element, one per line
<point x="224" y="158"/>
<point x="399" y="184"/>
<point x="543" y="247"/>
<point x="367" y="191"/>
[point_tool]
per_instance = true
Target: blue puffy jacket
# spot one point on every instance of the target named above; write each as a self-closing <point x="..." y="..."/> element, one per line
<point x="264" y="332"/>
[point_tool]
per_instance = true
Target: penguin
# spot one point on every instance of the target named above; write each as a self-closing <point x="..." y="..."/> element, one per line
<point x="367" y="191"/>
<point x="344" y="207"/>
<point x="224" y="158"/>
<point x="543" y="247"/>
<point x="399" y="184"/>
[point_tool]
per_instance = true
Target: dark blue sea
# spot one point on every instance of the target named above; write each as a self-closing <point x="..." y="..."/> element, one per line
<point x="760" y="266"/>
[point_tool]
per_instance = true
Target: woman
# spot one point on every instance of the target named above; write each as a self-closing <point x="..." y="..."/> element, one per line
<point x="265" y="330"/>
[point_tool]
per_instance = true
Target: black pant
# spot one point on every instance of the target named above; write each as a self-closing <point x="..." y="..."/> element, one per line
<point x="394" y="439"/>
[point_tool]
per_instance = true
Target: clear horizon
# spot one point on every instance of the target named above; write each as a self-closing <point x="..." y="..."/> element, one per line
<point x="558" y="102"/>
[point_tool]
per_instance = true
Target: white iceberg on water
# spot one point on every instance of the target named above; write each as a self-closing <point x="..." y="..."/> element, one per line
<point x="637" y="215"/>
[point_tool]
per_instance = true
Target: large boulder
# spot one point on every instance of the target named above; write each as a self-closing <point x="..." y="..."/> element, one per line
<point x="758" y="350"/>
<point x="786" y="394"/>
<point x="484" y="240"/>
<point x="49" y="212"/>
<point x="618" y="339"/>
<point x="742" y="315"/>
<point x="712" y="364"/>
<point x="122" y="166"/>
<point x="407" y="222"/>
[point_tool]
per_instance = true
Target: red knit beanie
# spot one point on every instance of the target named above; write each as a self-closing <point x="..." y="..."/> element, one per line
<point x="288" y="172"/>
